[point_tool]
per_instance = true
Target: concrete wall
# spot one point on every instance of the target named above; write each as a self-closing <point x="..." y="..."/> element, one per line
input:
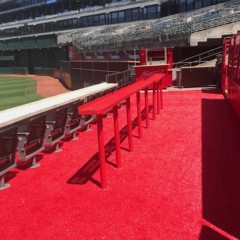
<point x="216" y="32"/>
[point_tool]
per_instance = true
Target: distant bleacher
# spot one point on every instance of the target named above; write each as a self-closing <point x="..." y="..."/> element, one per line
<point x="172" y="30"/>
<point x="226" y="13"/>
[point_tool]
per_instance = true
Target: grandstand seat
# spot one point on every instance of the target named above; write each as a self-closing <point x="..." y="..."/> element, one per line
<point x="30" y="139"/>
<point x="74" y="120"/>
<point x="91" y="98"/>
<point x="55" y="127"/>
<point x="8" y="145"/>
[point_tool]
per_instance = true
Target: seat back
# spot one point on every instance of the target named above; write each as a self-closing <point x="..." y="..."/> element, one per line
<point x="74" y="119"/>
<point x="30" y="137"/>
<point x="8" y="146"/>
<point x="55" y="123"/>
<point x="61" y="118"/>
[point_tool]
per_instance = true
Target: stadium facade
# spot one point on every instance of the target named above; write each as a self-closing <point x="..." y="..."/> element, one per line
<point x="37" y="33"/>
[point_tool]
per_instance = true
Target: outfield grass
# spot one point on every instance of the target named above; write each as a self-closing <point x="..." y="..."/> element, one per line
<point x="15" y="91"/>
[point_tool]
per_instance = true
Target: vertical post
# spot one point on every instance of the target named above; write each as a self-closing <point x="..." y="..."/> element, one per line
<point x="139" y="115"/>
<point x="161" y="93"/>
<point x="158" y="97"/>
<point x="154" y="101"/>
<point x="117" y="136"/>
<point x="143" y="56"/>
<point x="224" y="78"/>
<point x="135" y="56"/>
<point x="146" y="107"/>
<point x="101" y="152"/>
<point x="168" y="78"/>
<point x="129" y="123"/>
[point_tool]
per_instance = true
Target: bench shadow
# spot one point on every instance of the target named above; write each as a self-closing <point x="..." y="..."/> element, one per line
<point x="86" y="172"/>
<point x="52" y="149"/>
<point x="10" y="175"/>
<point x="24" y="165"/>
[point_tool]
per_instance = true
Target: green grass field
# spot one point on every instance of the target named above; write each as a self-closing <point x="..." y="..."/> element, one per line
<point x="16" y="91"/>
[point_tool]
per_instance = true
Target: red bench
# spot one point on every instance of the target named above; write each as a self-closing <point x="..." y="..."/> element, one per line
<point x="104" y="104"/>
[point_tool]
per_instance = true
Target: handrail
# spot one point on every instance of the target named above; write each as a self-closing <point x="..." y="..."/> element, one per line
<point x="23" y="112"/>
<point x="122" y="80"/>
<point x="190" y="60"/>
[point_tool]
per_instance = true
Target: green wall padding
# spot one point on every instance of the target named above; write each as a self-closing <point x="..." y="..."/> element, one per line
<point x="29" y="43"/>
<point x="13" y="70"/>
<point x="44" y="71"/>
<point x="46" y="42"/>
<point x="7" y="58"/>
<point x="14" y="45"/>
<point x="3" y="46"/>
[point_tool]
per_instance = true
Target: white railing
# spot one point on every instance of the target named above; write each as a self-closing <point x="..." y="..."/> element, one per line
<point x="16" y="114"/>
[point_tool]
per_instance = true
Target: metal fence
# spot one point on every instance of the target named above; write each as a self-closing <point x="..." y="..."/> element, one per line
<point x="121" y="78"/>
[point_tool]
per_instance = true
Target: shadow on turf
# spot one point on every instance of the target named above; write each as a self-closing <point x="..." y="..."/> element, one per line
<point x="85" y="173"/>
<point x="10" y="175"/>
<point x="24" y="165"/>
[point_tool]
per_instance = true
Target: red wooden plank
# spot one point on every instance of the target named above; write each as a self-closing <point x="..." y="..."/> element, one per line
<point x="107" y="102"/>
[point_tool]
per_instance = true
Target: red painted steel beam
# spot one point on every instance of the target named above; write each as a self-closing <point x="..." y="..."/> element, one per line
<point x="101" y="152"/>
<point x="117" y="137"/>
<point x="146" y="107"/>
<point x="129" y="124"/>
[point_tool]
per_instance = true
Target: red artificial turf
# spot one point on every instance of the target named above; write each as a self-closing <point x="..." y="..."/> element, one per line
<point x="180" y="182"/>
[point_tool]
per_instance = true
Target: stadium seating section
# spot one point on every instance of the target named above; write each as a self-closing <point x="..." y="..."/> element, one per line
<point x="29" y="129"/>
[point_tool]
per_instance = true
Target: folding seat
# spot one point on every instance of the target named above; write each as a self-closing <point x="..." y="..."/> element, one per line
<point x="30" y="138"/>
<point x="8" y="146"/>
<point x="55" y="127"/>
<point x="74" y="120"/>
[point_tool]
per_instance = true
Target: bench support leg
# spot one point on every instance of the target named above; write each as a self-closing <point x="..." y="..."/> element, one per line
<point x="101" y="152"/>
<point x="154" y="102"/>
<point x="117" y="136"/>
<point x="146" y="108"/>
<point x="3" y="185"/>
<point x="161" y="94"/>
<point x="158" y="97"/>
<point x="129" y="123"/>
<point x="139" y="118"/>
